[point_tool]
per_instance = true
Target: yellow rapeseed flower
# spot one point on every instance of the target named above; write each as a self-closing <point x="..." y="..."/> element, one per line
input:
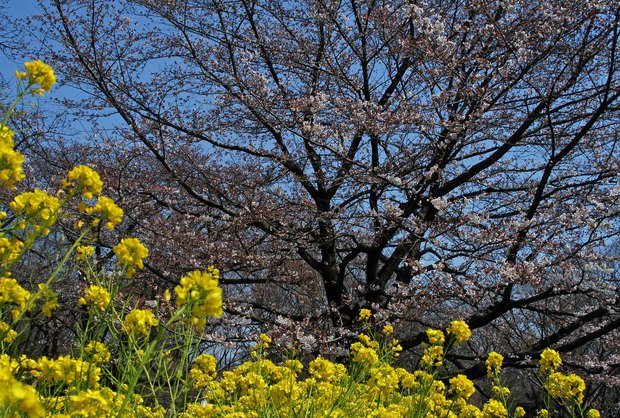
<point x="550" y="360"/>
<point x="470" y="411"/>
<point x="38" y="73"/>
<point x="11" y="170"/>
<point x="7" y="334"/>
<point x="11" y="161"/>
<point x="84" y="180"/>
<point x="494" y="409"/>
<point x="98" y="352"/>
<point x="364" y="314"/>
<point x="264" y="341"/>
<point x="325" y="370"/>
<point x="6" y="135"/>
<point x="500" y="392"/>
<point x="368" y="341"/>
<point x="435" y="336"/>
<point x="494" y="363"/>
<point x="90" y="404"/>
<point x="51" y="300"/>
<point x="462" y="387"/>
<point x="95" y="297"/>
<point x="16" y="396"/>
<point x="39" y="209"/>
<point x="383" y="380"/>
<point x="84" y="251"/>
<point x="366" y="356"/>
<point x="432" y="357"/>
<point x="567" y="388"/>
<point x="295" y="365"/>
<point x="139" y="321"/>
<point x="396" y="347"/>
<point x="12" y="293"/>
<point x="65" y="370"/>
<point x="203" y="371"/>
<point x="460" y="330"/>
<point x="130" y="252"/>
<point x="200" y="290"/>
<point x="104" y="210"/>
<point x="10" y="249"/>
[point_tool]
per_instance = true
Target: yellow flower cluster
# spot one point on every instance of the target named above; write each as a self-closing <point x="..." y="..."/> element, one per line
<point x="65" y="370"/>
<point x="203" y="370"/>
<point x="365" y="352"/>
<point x="383" y="380"/>
<point x="262" y="388"/>
<point x="396" y="347"/>
<point x="37" y="72"/>
<point x="95" y="297"/>
<point x="7" y="334"/>
<point x="460" y="331"/>
<point x="568" y="388"/>
<point x="11" y="161"/>
<point x="51" y="300"/>
<point x="84" y="251"/>
<point x="65" y="386"/>
<point x="10" y="249"/>
<point x="6" y="135"/>
<point x="200" y="291"/>
<point x="38" y="209"/>
<point x="565" y="389"/>
<point x="139" y="321"/>
<point x="364" y="314"/>
<point x="432" y="357"/>
<point x="105" y="210"/>
<point x="98" y="352"/>
<point x="494" y="409"/>
<point x="435" y="336"/>
<point x="95" y="403"/>
<point x="494" y="363"/>
<point x="13" y="294"/>
<point x="462" y="387"/>
<point x="264" y="341"/>
<point x="324" y="370"/>
<point x="130" y="252"/>
<point x="17" y="395"/>
<point x="90" y="404"/>
<point x="84" y="180"/>
<point x="550" y="360"/>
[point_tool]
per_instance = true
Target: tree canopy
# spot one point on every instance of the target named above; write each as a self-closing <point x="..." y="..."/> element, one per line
<point x="428" y="160"/>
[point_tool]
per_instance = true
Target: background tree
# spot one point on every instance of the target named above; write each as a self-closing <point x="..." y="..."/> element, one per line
<point x="429" y="160"/>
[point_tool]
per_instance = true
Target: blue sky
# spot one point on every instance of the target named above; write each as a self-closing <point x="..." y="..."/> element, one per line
<point x="15" y="9"/>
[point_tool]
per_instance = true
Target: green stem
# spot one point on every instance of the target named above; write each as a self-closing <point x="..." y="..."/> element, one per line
<point x="20" y="96"/>
<point x="146" y="357"/>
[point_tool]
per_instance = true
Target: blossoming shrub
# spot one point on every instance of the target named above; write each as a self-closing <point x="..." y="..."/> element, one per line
<point x="131" y="362"/>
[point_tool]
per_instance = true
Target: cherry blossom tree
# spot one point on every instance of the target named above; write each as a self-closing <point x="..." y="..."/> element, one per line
<point x="430" y="160"/>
